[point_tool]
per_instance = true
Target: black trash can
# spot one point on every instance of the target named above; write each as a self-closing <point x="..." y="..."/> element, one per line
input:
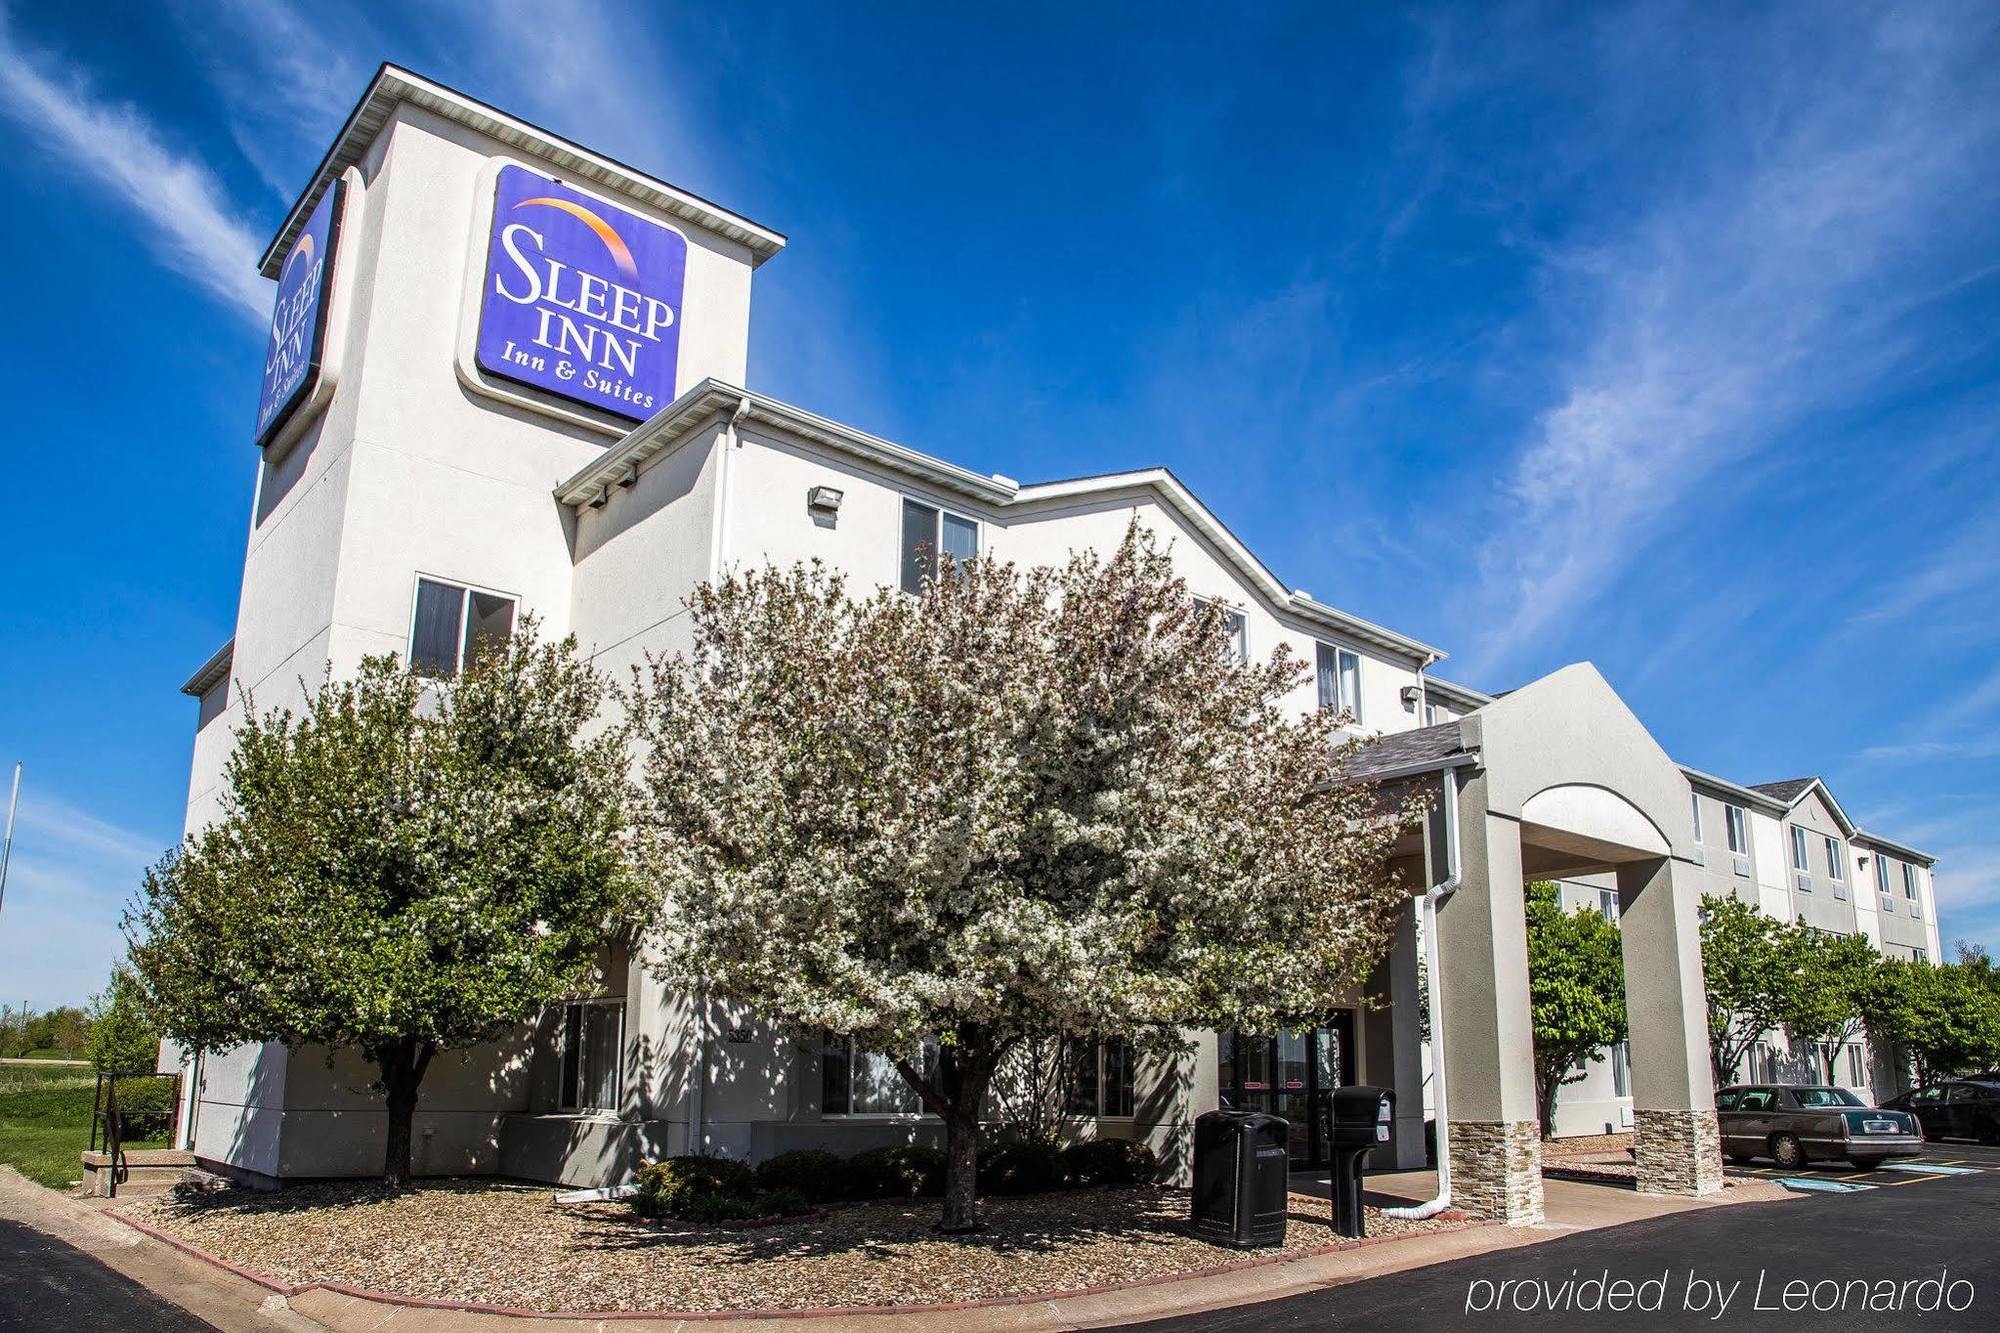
<point x="1242" y="1177"/>
<point x="1360" y="1116"/>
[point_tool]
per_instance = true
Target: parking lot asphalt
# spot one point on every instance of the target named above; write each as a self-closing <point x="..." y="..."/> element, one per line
<point x="1871" y="1258"/>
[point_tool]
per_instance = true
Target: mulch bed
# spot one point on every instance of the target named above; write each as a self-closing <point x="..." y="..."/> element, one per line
<point x="508" y="1244"/>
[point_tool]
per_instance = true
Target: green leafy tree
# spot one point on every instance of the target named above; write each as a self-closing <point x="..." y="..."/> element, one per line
<point x="1014" y="805"/>
<point x="406" y="868"/>
<point x="124" y="1034"/>
<point x="1749" y="967"/>
<point x="1834" y="984"/>
<point x="1945" y="1018"/>
<point x="1576" y="992"/>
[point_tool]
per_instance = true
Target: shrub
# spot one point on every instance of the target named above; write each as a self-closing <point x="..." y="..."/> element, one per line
<point x="1110" y="1162"/>
<point x="783" y="1202"/>
<point x="813" y="1173"/>
<point x="708" y="1209"/>
<point x="895" y="1173"/>
<point x="1028" y="1166"/>
<point x="673" y="1187"/>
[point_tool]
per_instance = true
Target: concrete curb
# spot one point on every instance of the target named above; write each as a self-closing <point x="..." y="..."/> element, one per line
<point x="289" y="1290"/>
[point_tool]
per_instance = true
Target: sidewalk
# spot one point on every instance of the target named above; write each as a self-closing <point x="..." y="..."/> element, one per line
<point x="232" y="1302"/>
<point x="209" y="1294"/>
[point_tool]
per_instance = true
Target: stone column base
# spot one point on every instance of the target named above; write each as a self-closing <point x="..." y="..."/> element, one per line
<point x="1496" y="1169"/>
<point x="1677" y="1152"/>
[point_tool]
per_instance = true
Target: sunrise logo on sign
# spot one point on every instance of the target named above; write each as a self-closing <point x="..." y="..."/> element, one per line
<point x="581" y="299"/>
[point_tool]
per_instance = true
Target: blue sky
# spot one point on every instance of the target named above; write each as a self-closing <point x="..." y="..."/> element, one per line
<point x="1658" y="335"/>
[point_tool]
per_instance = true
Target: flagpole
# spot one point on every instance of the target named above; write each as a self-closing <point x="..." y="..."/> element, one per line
<point x="7" y="847"/>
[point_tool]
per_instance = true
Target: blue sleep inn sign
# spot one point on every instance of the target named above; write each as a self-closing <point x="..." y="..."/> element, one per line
<point x="582" y="299"/>
<point x="298" y="320"/>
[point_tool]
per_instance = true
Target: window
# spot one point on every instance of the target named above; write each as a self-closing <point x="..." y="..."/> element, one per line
<point x="593" y="1038"/>
<point x="1857" y="1074"/>
<point x="1726" y="1099"/>
<point x="854" y="1080"/>
<point x="1882" y="882"/>
<point x="1235" y="628"/>
<point x="1696" y="798"/>
<point x="453" y="623"/>
<point x="1739" y="841"/>
<point x="1621" y="1070"/>
<point x="1097" y="1077"/>
<point x="1910" y="891"/>
<point x="1607" y="905"/>
<point x="1919" y="956"/>
<point x="1801" y="861"/>
<point x="1340" y="680"/>
<point x="1434" y="715"/>
<point x="1757" y="1099"/>
<point x="1836" y="866"/>
<point x="929" y="532"/>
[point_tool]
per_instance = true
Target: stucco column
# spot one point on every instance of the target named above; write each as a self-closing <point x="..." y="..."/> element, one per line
<point x="1495" y="1136"/>
<point x="1673" y="1094"/>
<point x="1406" y="1043"/>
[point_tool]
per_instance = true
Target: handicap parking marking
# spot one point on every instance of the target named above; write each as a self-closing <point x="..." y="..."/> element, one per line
<point x="1821" y="1185"/>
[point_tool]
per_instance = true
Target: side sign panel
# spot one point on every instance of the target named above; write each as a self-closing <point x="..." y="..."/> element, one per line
<point x="582" y="299"/>
<point x="298" y="321"/>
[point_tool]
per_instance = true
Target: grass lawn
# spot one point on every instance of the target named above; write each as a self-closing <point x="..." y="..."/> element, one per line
<point x="45" y="1120"/>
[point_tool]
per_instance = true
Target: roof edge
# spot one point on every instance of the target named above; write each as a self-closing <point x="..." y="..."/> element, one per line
<point x="394" y="85"/>
<point x="215" y="669"/>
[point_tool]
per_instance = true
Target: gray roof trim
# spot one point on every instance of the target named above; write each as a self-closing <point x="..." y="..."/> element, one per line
<point x="1748" y="795"/>
<point x="1456" y="693"/>
<point x="1901" y="849"/>
<point x="700" y="405"/>
<point x="394" y="85"/>
<point x="214" y="670"/>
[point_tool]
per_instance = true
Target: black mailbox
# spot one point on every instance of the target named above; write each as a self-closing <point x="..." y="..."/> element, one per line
<point x="1242" y="1178"/>
<point x="1359" y="1119"/>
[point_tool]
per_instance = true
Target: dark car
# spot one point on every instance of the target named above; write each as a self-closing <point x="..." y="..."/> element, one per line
<point x="1796" y="1125"/>
<point x="1960" y="1109"/>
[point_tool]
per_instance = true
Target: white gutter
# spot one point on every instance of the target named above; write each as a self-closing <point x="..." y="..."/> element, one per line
<point x="1427" y="914"/>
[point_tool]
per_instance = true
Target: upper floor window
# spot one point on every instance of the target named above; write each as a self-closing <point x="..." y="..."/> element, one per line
<point x="1340" y="680"/>
<point x="929" y="532"/>
<point x="1607" y="905"/>
<point x="1739" y="841"/>
<point x="1696" y="798"/>
<point x="1097" y="1077"/>
<point x="1882" y="882"/>
<point x="1235" y="627"/>
<point x="1836" y="866"/>
<point x="1910" y="890"/>
<point x="453" y="624"/>
<point x="1800" y="860"/>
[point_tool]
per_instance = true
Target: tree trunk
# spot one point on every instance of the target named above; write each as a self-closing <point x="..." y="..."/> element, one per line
<point x="402" y="1063"/>
<point x="961" y="1173"/>
<point x="965" y="1069"/>
<point x="1546" y="1088"/>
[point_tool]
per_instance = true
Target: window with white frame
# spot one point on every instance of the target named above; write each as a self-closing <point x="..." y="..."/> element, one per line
<point x="1910" y="891"/>
<point x="593" y="1042"/>
<point x="854" y="1080"/>
<point x="1801" y="861"/>
<point x="1695" y="796"/>
<point x="1836" y="865"/>
<point x="1739" y="838"/>
<point x="1235" y="627"/>
<point x="453" y="623"/>
<point x="1621" y="1070"/>
<point x="930" y="532"/>
<point x="1097" y="1077"/>
<point x="1607" y="905"/>
<point x="1882" y="882"/>
<point x="1340" y="681"/>
<point x="1919" y="955"/>
<point x="1857" y="1073"/>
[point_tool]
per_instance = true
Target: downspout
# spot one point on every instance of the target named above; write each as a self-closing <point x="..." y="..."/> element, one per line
<point x="718" y="567"/>
<point x="1427" y="915"/>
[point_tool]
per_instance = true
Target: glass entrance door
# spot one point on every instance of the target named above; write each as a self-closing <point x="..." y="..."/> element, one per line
<point x="1292" y="1074"/>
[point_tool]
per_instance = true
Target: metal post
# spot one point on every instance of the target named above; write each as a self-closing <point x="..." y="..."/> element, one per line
<point x="7" y="847"/>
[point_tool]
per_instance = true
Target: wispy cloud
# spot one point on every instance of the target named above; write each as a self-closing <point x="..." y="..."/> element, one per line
<point x="119" y="151"/>
<point x="1753" y="283"/>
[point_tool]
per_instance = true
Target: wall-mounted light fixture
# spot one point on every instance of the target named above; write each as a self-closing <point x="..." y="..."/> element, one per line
<point x="823" y="500"/>
<point x="1412" y="695"/>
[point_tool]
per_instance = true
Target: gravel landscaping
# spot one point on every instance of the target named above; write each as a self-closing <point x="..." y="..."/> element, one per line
<point x="512" y="1245"/>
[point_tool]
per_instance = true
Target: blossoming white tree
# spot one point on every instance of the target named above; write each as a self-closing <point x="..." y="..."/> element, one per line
<point x="1019" y="803"/>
